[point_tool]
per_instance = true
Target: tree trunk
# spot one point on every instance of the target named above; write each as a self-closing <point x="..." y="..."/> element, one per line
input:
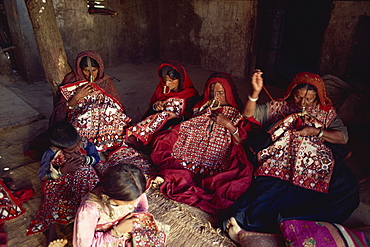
<point x="49" y="41"/>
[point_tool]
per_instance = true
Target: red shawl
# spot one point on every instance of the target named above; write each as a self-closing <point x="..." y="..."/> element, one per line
<point x="314" y="80"/>
<point x="186" y="86"/>
<point x="212" y="193"/>
<point x="227" y="83"/>
<point x="102" y="80"/>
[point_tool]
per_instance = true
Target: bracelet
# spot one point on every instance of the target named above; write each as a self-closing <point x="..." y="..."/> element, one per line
<point x="154" y="106"/>
<point x="236" y="131"/>
<point x="68" y="106"/>
<point x="54" y="175"/>
<point x="252" y="99"/>
<point x="321" y="133"/>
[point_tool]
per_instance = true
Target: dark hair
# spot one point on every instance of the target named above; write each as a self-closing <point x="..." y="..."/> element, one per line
<point x="63" y="135"/>
<point x="306" y="86"/>
<point x="171" y="72"/>
<point x="124" y="182"/>
<point x="83" y="63"/>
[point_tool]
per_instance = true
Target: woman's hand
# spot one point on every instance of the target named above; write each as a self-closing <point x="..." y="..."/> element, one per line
<point x="332" y="136"/>
<point x="126" y="224"/>
<point x="81" y="92"/>
<point x="257" y="83"/>
<point x="219" y="118"/>
<point x="159" y="106"/>
<point x="308" y="131"/>
<point x="172" y="115"/>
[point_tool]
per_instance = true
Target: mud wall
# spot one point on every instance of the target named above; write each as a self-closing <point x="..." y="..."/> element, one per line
<point x="131" y="36"/>
<point x="340" y="36"/>
<point x="216" y="35"/>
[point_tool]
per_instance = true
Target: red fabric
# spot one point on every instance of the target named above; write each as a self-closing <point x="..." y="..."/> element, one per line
<point x="314" y="80"/>
<point x="23" y="194"/>
<point x="214" y="193"/>
<point x="102" y="80"/>
<point x="187" y="89"/>
<point x="226" y="81"/>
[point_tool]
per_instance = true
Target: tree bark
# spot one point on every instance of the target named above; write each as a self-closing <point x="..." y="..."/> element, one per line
<point x="49" y="41"/>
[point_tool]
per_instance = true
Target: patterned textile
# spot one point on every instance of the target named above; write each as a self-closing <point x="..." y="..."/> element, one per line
<point x="315" y="233"/>
<point x="186" y="87"/>
<point x="102" y="80"/>
<point x="99" y="118"/>
<point x="258" y="239"/>
<point x="129" y="155"/>
<point x="278" y="110"/>
<point x="62" y="196"/>
<point x="10" y="208"/>
<point x="144" y="233"/>
<point x="303" y="160"/>
<point x="145" y="129"/>
<point x="204" y="147"/>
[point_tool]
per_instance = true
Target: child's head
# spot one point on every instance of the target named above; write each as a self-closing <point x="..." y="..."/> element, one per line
<point x="63" y="135"/>
<point x="123" y="182"/>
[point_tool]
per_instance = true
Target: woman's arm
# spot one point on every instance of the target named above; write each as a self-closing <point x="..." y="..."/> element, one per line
<point x="221" y="119"/>
<point x="336" y="133"/>
<point x="257" y="85"/>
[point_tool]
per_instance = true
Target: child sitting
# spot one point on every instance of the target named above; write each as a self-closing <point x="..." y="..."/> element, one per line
<point x="115" y="213"/>
<point x="67" y="172"/>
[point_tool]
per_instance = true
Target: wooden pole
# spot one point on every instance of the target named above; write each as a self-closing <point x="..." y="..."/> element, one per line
<point x="49" y="41"/>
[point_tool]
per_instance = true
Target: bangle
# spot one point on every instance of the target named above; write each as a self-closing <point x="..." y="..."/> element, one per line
<point x="68" y="106"/>
<point x="321" y="133"/>
<point x="154" y="106"/>
<point x="235" y="132"/>
<point x="252" y="99"/>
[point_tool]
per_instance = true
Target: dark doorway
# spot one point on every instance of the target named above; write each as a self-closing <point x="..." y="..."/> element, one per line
<point x="290" y="38"/>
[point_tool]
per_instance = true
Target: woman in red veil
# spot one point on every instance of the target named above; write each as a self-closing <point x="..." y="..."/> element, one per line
<point x="201" y="160"/>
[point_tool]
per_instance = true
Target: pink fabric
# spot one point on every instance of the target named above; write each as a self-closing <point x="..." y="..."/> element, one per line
<point x="92" y="225"/>
<point x="317" y="233"/>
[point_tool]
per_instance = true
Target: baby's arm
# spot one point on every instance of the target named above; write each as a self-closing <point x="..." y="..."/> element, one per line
<point x="44" y="171"/>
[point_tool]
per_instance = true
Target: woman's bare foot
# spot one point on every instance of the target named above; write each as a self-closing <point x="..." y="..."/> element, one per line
<point x="233" y="229"/>
<point x="58" y="243"/>
<point x="157" y="182"/>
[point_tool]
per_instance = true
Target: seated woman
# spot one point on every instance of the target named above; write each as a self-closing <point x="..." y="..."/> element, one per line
<point x="201" y="160"/>
<point x="298" y="175"/>
<point x="172" y="100"/>
<point x="89" y="100"/>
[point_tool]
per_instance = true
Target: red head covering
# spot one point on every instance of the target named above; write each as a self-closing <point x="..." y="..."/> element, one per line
<point x="227" y="83"/>
<point x="78" y="71"/>
<point x="186" y="87"/>
<point x="314" y="80"/>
